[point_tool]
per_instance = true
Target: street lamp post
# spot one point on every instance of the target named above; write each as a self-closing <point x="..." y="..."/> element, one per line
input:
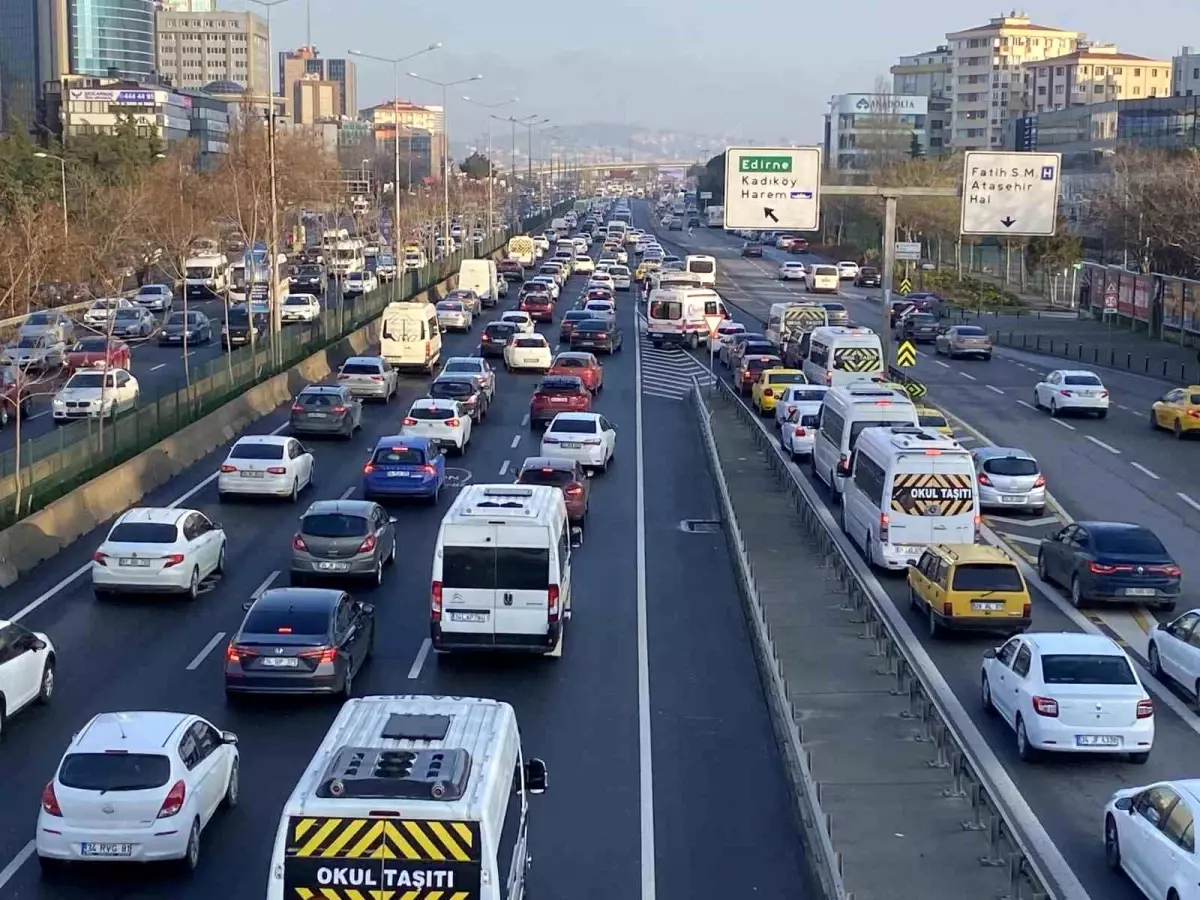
<point x="62" y="170"/>
<point x="526" y="120"/>
<point x="394" y="62"/>
<point x="445" y="85"/>
<point x="491" y="169"/>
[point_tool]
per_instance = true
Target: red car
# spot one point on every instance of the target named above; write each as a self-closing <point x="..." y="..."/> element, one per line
<point x="596" y="294"/>
<point x="98" y="353"/>
<point x="510" y="270"/>
<point x="539" y="306"/>
<point x="558" y="393"/>
<point x="565" y="474"/>
<point x="583" y="366"/>
<point x="751" y="370"/>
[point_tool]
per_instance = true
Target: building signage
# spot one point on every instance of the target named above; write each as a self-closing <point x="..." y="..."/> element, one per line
<point x="1010" y="194"/>
<point x="121" y="98"/>
<point x="773" y="188"/>
<point x="882" y="105"/>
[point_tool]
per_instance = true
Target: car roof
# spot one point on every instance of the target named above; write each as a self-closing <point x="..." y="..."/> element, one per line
<point x="548" y="462"/>
<point x="433" y="403"/>
<point x="1097" y="527"/>
<point x="1003" y="452"/>
<point x="345" y="507"/>
<point x="275" y="440"/>
<point x="476" y="361"/>
<point x="321" y="389"/>
<point x="575" y="354"/>
<point x="297" y="598"/>
<point x="1073" y="642"/>
<point x="589" y="416"/>
<point x="1074" y="372"/>
<point x="160" y="515"/>
<point x="401" y="440"/>
<point x="972" y="553"/>
<point x="363" y="359"/>
<point x="560" y="380"/>
<point x="139" y="731"/>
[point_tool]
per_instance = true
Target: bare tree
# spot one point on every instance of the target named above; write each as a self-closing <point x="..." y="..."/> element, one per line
<point x="19" y="387"/>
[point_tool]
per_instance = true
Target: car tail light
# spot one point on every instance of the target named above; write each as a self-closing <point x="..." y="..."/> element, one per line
<point x="1145" y="708"/>
<point x="296" y="407"/>
<point x="978" y="527"/>
<point x="984" y="480"/>
<point x="1044" y="706"/>
<point x="1027" y="610"/>
<point x="428" y="469"/>
<point x="1040" y="481"/>
<point x="574" y="490"/>
<point x="233" y="654"/>
<point x="338" y="409"/>
<point x="485" y="338"/>
<point x="546" y="439"/>
<point x="1172" y="570"/>
<point x="174" y="801"/>
<point x="947" y="609"/>
<point x="552" y="603"/>
<point x="1102" y="568"/>
<point x="800" y="431"/>
<point x="342" y="375"/>
<point x="377" y="378"/>
<point x="884" y="527"/>
<point x="228" y="468"/>
<point x="1064" y="393"/>
<point x="435" y="601"/>
<point x="1104" y="393"/>
<point x="591" y="442"/>
<point x="368" y="469"/>
<point x="828" y="377"/>
<point x="322" y="655"/>
<point x="298" y="544"/>
<point x="101" y="558"/>
<point x="427" y="349"/>
<point x="173" y="559"/>
<point x="276" y="470"/>
<point x="409" y="420"/>
<point x="49" y="801"/>
<point x="368" y="545"/>
<point x="451" y="423"/>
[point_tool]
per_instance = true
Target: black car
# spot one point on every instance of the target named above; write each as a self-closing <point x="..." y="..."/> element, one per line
<point x="300" y="641"/>
<point x="868" y="276"/>
<point x="240" y="327"/>
<point x="919" y="327"/>
<point x="467" y="389"/>
<point x="1110" y="561"/>
<point x="309" y="279"/>
<point x="569" y="321"/>
<point x="596" y="334"/>
<point x="495" y="338"/>
<point x="193" y="325"/>
<point x="752" y="249"/>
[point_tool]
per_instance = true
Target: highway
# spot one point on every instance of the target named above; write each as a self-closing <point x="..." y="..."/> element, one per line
<point x="1112" y="469"/>
<point x="665" y="780"/>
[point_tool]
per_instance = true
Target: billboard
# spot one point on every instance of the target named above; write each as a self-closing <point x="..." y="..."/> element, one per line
<point x="881" y="105"/>
<point x="120" y="98"/>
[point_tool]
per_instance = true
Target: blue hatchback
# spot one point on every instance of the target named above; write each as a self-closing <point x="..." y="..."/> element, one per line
<point x="404" y="467"/>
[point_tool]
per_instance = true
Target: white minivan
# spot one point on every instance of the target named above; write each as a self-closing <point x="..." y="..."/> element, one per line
<point x="409" y="336"/>
<point x="703" y="267"/>
<point x="845" y="412"/>
<point x="480" y="276"/>
<point x="502" y="571"/>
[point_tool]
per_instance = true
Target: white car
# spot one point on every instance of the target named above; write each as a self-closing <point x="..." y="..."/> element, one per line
<point x="137" y="787"/>
<point x="622" y="256"/>
<point x="551" y="282"/>
<point x="266" y="465"/>
<point x="151" y="551"/>
<point x="584" y="264"/>
<point x="602" y="309"/>
<point x="359" y="283"/>
<point x="541" y="243"/>
<point x="444" y="421"/>
<point x="369" y="377"/>
<point x="528" y="351"/>
<point x="101" y="312"/>
<point x="1174" y="652"/>
<point x="522" y="321"/>
<point x="1068" y="693"/>
<point x="790" y="270"/>
<point x="26" y="669"/>
<point x="95" y="394"/>
<point x="588" y="438"/>
<point x="798" y="417"/>
<point x="1073" y="390"/>
<point x="601" y="280"/>
<point x="725" y="333"/>
<point x="43" y="352"/>
<point x="155" y="297"/>
<point x="453" y="315"/>
<point x="847" y="270"/>
<point x="300" y="308"/>
<point x="1149" y="835"/>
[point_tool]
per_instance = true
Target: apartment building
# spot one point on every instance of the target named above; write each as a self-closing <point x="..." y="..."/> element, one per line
<point x="306" y="61"/>
<point x="314" y="100"/>
<point x="1093" y="73"/>
<point x="928" y="75"/>
<point x="421" y="125"/>
<point x="195" y="49"/>
<point x="986" y="70"/>
<point x="1185" y="73"/>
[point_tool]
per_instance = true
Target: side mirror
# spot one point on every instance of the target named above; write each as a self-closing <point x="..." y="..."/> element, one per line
<point x="37" y="644"/>
<point x="989" y="653"/>
<point x="392" y="520"/>
<point x="228" y="737"/>
<point x="537" y="779"/>
<point x="217" y="526"/>
<point x="1162" y="626"/>
<point x="1125" y="803"/>
<point x="247" y="605"/>
<point x="367" y="609"/>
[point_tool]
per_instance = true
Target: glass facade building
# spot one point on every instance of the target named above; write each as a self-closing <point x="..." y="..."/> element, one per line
<point x="108" y="35"/>
<point x="19" y="65"/>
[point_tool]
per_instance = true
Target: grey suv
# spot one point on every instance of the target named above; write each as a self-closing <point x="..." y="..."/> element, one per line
<point x="343" y="539"/>
<point x="326" y="409"/>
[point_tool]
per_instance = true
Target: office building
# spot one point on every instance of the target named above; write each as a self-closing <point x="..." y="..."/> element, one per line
<point x="109" y="38"/>
<point x="1185" y="73"/>
<point x="1086" y="134"/>
<point x="195" y="49"/>
<point x="196" y="6"/>
<point x="20" y="62"/>
<point x="986" y="72"/>
<point x="865" y="132"/>
<point x="1093" y="73"/>
<point x="928" y="75"/>
<point x="314" y="100"/>
<point x="295" y="64"/>
<point x="420" y="124"/>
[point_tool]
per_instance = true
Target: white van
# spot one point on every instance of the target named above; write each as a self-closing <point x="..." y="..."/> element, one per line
<point x="502" y="571"/>
<point x="677" y="316"/>
<point x="909" y="488"/>
<point x="785" y="318"/>
<point x="411" y="796"/>
<point x="822" y="280"/>
<point x="845" y="412"/>
<point x="409" y="337"/>
<point x="703" y="267"/>
<point x="347" y="256"/>
<point x="841" y="355"/>
<point x="206" y="275"/>
<point x="480" y="276"/>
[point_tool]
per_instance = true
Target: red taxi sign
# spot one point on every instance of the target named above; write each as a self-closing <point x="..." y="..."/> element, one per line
<point x="713" y="323"/>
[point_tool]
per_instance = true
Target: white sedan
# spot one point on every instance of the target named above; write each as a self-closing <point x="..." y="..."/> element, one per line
<point x="584" y="264"/>
<point x="588" y="438"/>
<point x="798" y="418"/>
<point x="101" y="312"/>
<point x="300" y="308"/>
<point x="1071" y="390"/>
<point x="1174" y="652"/>
<point x="520" y="320"/>
<point x="528" y="351"/>
<point x="725" y="333"/>
<point x="26" y="669"/>
<point x="551" y="282"/>
<point x="444" y="421"/>
<point x="847" y="270"/>
<point x="792" y="271"/>
<point x="151" y="551"/>
<point x="1149" y="835"/>
<point x="1068" y="693"/>
<point x="95" y="394"/>
<point x="602" y="309"/>
<point x="266" y="465"/>
<point x="601" y="280"/>
<point x="147" y="802"/>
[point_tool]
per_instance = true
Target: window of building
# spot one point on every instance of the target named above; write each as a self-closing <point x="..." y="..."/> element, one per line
<point x="1137" y="91"/>
<point x="1059" y="70"/>
<point x="1041" y="89"/>
<point x="1154" y="73"/>
<point x="1137" y="73"/>
<point x="1060" y="88"/>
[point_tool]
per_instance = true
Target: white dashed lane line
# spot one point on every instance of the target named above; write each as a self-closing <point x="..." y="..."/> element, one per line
<point x="1061" y="423"/>
<point x="1144" y="470"/>
<point x="942" y="364"/>
<point x="965" y="375"/>
<point x="1103" y="446"/>
<point x="1188" y="500"/>
<point x="516" y="440"/>
<point x="504" y="467"/>
<point x="1029" y="406"/>
<point x="993" y="388"/>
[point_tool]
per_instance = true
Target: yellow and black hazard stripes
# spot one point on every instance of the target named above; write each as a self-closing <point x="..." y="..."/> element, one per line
<point x="857" y="359"/>
<point x="329" y="893"/>
<point x="427" y="840"/>
<point x="950" y="494"/>
<point x="906" y="355"/>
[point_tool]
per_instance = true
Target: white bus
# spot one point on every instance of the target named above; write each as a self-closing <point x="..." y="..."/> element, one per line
<point x="838" y="354"/>
<point x="703" y="267"/>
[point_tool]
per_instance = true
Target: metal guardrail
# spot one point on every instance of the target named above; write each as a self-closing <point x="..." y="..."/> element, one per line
<point x="1032" y="873"/>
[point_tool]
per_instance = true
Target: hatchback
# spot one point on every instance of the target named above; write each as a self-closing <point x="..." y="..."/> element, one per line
<point x="495" y="338"/>
<point x="569" y="321"/>
<point x="445" y="422"/>
<point x="582" y="365"/>
<point x="343" y="538"/>
<point x="369" y="377"/>
<point x="467" y="389"/>
<point x="597" y="334"/>
<point x="404" y="466"/>
<point x="555" y="394"/>
<point x="326" y="409"/>
<point x="565" y="474"/>
<point x="476" y="366"/>
<point x="539" y="306"/>
<point x="1010" y="479"/>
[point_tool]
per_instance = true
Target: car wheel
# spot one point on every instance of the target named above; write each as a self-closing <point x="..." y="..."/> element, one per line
<point x="377" y="577"/>
<point x="1037" y="400"/>
<point x="1054" y="409"/>
<point x="1177" y="430"/>
<point x="1155" y="663"/>
<point x="295" y="494"/>
<point x="348" y="684"/>
<point x="191" y="856"/>
<point x="1077" y="598"/>
<point x="1140" y="759"/>
<point x="220" y="568"/>
<point x="985" y="696"/>
<point x="46" y="688"/>
<point x="1112" y="844"/>
<point x="1043" y="570"/>
<point x="1025" y="750"/>
<point x="232" y="788"/>
<point x="1154" y="426"/>
<point x="193" y="590"/>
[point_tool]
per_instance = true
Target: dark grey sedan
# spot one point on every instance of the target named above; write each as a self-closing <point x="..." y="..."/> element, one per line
<point x="343" y="539"/>
<point x="326" y="409"/>
<point x="466" y="389"/>
<point x="193" y="326"/>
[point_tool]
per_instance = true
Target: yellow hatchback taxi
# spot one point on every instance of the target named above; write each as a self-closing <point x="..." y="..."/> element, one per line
<point x="1178" y="411"/>
<point x="969" y="587"/>
<point x="645" y="268"/>
<point x="771" y="385"/>
<point x="932" y="419"/>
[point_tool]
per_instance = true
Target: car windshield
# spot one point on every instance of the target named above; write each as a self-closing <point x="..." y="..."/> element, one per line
<point x="1083" y="381"/>
<point x="107" y="772"/>
<point x="238" y="317"/>
<point x="453" y="389"/>
<point x="90" y="345"/>
<point x="290" y="620"/>
<point x="309" y="271"/>
<point x="86" y="380"/>
<point x="987" y="577"/>
<point x="128" y="314"/>
<point x="1080" y="668"/>
<point x="333" y="525"/>
<point x="1128" y="540"/>
<point x="38" y="318"/>
<point x="256" y="451"/>
<point x="546" y="475"/>
<point x="573" y="426"/>
<point x="399" y="456"/>
<point x="297" y="300"/>
<point x="142" y="533"/>
<point x="868" y="270"/>
<point x="29" y="343"/>
<point x="1012" y="466"/>
<point x="152" y="289"/>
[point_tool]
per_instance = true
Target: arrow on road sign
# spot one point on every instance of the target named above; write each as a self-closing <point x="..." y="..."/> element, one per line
<point x="905" y="286"/>
<point x="769" y="214"/>
<point x="906" y="355"/>
<point x="1008" y="221"/>
<point x="713" y="323"/>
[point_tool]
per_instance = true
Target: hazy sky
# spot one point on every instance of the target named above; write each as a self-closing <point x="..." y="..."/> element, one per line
<point x="756" y="70"/>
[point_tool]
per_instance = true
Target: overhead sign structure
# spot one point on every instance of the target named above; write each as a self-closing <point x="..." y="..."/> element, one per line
<point x="908" y="251"/>
<point x="776" y="188"/>
<point x="706" y="195"/>
<point x="1010" y="194"/>
<point x="906" y="355"/>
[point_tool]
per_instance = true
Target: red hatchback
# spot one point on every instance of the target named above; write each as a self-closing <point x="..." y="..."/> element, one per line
<point x="539" y="306"/>
<point x="97" y="353"/>
<point x="558" y="393"/>
<point x="752" y="368"/>
<point x="583" y="366"/>
<point x="565" y="474"/>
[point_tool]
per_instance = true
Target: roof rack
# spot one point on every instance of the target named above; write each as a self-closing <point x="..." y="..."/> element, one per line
<point x="372" y="772"/>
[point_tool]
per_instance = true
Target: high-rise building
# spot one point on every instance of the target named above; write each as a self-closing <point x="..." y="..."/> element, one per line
<point x="198" y="6"/>
<point x="1093" y="73"/>
<point x="295" y="64"/>
<point x="1185" y="73"/>
<point x="314" y="100"/>
<point x="986" y="69"/>
<point x="928" y="75"/>
<point x="112" y="38"/>
<point x="195" y="49"/>
<point x="20" y="62"/>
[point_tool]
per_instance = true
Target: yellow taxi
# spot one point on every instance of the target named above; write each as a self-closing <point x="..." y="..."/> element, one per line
<point x="645" y="268"/>
<point x="771" y="385"/>
<point x="934" y="420"/>
<point x="969" y="587"/>
<point x="1178" y="411"/>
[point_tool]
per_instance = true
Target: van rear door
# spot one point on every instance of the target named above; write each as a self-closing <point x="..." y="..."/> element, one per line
<point x="469" y="583"/>
<point x="933" y="499"/>
<point x="522" y="583"/>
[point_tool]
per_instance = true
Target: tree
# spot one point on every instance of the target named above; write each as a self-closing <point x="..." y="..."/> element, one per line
<point x="18" y="388"/>
<point x="1054" y="253"/>
<point x="696" y="171"/>
<point x="476" y="166"/>
<point x="713" y="179"/>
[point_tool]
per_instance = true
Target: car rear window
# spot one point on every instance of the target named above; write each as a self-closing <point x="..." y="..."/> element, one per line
<point x="1130" y="540"/>
<point x="807" y="396"/>
<point x="787" y="378"/>
<point x="811" y="420"/>
<point x="932" y="420"/>
<point x="825" y="270"/>
<point x="256" y="451"/>
<point x="969" y="331"/>
<point x="452" y="389"/>
<point x="573" y="426"/>
<point x="143" y="533"/>
<point x="753" y="348"/>
<point x="300" y="621"/>
<point x="529" y="342"/>
<point x="560" y="386"/>
<point x="761" y="363"/>
<point x="546" y="475"/>
<point x="360" y="368"/>
<point x="399" y="456"/>
<point x="496" y="329"/>
<point x="450" y="306"/>
<point x="666" y="309"/>
<point x="114" y="771"/>
<point x="923" y="319"/>
<point x="90" y="345"/>
<point x="1079" y="668"/>
<point x="987" y="577"/>
<point x="700" y="266"/>
<point x="321" y="399"/>
<point x="1012" y="466"/>
<point x="501" y="568"/>
<point x="1083" y="380"/>
<point x="431" y="413"/>
<point x="333" y="525"/>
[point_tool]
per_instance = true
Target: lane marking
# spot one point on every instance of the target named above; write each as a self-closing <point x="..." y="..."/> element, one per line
<point x="414" y="670"/>
<point x="525" y="421"/>
<point x="504" y="467"/>
<point x="1027" y="405"/>
<point x="1099" y="443"/>
<point x="347" y="492"/>
<point x="993" y="388"/>
<point x="1188" y="500"/>
<point x="1062" y="424"/>
<point x="942" y="364"/>
<point x="1144" y="470"/>
<point x="516" y="440"/>
<point x="266" y="583"/>
<point x="205" y="650"/>
<point x="7" y="873"/>
<point x="159" y="366"/>
<point x="44" y="412"/>
<point x="965" y="375"/>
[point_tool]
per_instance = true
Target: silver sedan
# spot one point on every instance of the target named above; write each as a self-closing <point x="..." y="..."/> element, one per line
<point x="454" y="315"/>
<point x="1009" y="478"/>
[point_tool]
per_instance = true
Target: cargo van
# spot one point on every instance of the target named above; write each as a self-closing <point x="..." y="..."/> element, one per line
<point x="502" y="571"/>
<point x="411" y="796"/>
<point x="845" y="412"/>
<point x="702" y="267"/>
<point x="908" y="489"/>
<point x="841" y="355"/>
<point x="677" y="316"/>
<point x="409" y="337"/>
<point x="522" y="249"/>
<point x="787" y="321"/>
<point x="480" y="276"/>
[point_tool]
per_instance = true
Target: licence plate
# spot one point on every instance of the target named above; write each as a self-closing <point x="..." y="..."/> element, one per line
<point x="1139" y="592"/>
<point x="252" y="474"/>
<point x="396" y="474"/>
<point x="89" y="848"/>
<point x="333" y="566"/>
<point x="318" y="415"/>
<point x="476" y="617"/>
<point x="1097" y="740"/>
<point x="986" y="606"/>
<point x="281" y="662"/>
<point x="1012" y="498"/>
<point x="137" y="563"/>
<point x="568" y="446"/>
